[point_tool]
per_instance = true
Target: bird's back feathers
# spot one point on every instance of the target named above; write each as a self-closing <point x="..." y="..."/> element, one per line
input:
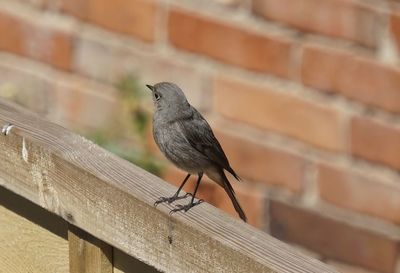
<point x="199" y="134"/>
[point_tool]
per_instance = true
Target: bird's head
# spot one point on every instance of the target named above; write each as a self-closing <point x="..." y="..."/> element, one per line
<point x="168" y="95"/>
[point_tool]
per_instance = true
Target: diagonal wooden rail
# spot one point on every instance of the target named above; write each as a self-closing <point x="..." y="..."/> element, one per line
<point x="111" y="199"/>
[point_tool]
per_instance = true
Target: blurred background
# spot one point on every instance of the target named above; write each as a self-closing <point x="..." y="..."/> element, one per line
<point x="304" y="96"/>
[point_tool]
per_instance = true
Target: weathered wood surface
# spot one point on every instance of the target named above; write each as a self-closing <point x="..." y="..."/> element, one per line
<point x="26" y="247"/>
<point x="127" y="264"/>
<point x="34" y="220"/>
<point x="88" y="254"/>
<point x="113" y="200"/>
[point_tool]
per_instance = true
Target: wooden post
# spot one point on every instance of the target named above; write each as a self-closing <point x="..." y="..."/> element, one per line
<point x="88" y="254"/>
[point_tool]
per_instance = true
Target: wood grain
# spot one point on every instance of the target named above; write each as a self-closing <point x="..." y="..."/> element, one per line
<point x="26" y="247"/>
<point x="113" y="200"/>
<point x="124" y="263"/>
<point x="88" y="254"/>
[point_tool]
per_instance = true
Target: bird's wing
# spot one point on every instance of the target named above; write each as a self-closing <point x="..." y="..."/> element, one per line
<point x="198" y="133"/>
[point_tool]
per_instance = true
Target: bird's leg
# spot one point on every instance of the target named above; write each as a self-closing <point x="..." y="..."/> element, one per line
<point x="191" y="203"/>
<point x="176" y="195"/>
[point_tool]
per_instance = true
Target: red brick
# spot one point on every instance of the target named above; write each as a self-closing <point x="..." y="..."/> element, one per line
<point x="357" y="78"/>
<point x="337" y="18"/>
<point x="333" y="239"/>
<point x="228" y="43"/>
<point x="131" y="17"/>
<point x="359" y="193"/>
<point x="395" y="28"/>
<point x="75" y="101"/>
<point x="38" y="42"/>
<point x="76" y="8"/>
<point x="346" y="268"/>
<point x="25" y="88"/>
<point x="260" y="163"/>
<point x="375" y="142"/>
<point x="36" y="3"/>
<point x="306" y="121"/>
<point x="229" y="3"/>
<point x="110" y="63"/>
<point x="250" y="198"/>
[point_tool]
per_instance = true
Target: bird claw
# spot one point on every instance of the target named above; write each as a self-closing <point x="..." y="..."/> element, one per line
<point x="171" y="199"/>
<point x="186" y="207"/>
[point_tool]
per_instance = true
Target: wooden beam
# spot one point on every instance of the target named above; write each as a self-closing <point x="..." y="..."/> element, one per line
<point x="112" y="199"/>
<point x="28" y="247"/>
<point x="88" y="254"/>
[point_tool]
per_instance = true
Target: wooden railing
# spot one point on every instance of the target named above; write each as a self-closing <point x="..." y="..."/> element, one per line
<point x="68" y="204"/>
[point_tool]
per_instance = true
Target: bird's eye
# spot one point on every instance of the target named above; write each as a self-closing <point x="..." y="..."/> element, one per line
<point x="157" y="96"/>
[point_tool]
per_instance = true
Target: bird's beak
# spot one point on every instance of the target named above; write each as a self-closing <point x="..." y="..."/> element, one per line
<point x="150" y="87"/>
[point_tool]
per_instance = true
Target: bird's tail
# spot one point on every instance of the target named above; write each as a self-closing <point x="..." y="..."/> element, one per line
<point x="231" y="193"/>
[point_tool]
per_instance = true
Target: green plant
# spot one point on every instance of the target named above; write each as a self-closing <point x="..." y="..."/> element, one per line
<point x="127" y="136"/>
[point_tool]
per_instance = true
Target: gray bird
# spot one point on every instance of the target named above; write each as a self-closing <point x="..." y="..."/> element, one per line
<point x="186" y="139"/>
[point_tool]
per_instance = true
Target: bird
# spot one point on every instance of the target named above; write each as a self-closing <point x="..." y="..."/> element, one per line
<point x="187" y="140"/>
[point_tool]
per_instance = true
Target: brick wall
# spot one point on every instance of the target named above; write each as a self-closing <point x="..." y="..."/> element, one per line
<point x="304" y="96"/>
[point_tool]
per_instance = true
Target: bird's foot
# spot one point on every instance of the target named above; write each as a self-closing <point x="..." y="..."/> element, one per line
<point x="171" y="199"/>
<point x="186" y="207"/>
